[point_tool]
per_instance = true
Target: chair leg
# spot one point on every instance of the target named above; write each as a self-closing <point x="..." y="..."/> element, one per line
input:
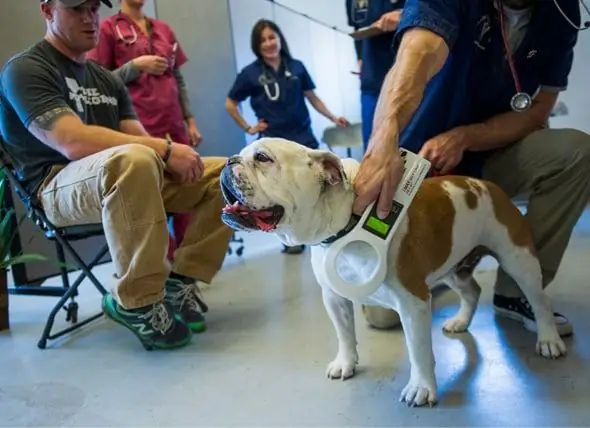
<point x="72" y="307"/>
<point x="240" y="249"/>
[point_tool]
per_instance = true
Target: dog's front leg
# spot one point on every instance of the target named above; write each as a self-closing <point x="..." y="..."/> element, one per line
<point x="341" y="312"/>
<point x="416" y="318"/>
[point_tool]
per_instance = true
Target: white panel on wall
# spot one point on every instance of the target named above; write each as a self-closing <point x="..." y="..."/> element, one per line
<point x="576" y="97"/>
<point x="244" y="14"/>
<point x="331" y="12"/>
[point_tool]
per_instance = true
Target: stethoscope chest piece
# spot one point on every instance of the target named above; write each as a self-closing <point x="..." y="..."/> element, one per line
<point x="521" y="101"/>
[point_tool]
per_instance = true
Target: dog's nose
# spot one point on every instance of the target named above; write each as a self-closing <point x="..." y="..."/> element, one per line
<point x="232" y="160"/>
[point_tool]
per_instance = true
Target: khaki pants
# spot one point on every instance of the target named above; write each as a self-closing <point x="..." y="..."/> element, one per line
<point x="127" y="189"/>
<point x="550" y="169"/>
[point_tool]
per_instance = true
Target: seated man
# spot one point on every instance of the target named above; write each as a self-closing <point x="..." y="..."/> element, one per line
<point x="72" y="130"/>
<point x="450" y="97"/>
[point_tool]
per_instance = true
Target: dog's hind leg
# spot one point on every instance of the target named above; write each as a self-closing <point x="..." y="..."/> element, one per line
<point x="416" y="318"/>
<point x="465" y="285"/>
<point x="341" y="313"/>
<point x="524" y="268"/>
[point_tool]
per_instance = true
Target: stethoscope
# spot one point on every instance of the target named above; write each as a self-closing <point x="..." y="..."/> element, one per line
<point x="127" y="41"/>
<point x="522" y="101"/>
<point x="266" y="80"/>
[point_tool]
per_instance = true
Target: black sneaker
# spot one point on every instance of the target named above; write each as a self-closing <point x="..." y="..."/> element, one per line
<point x="185" y="297"/>
<point x="156" y="326"/>
<point x="519" y="309"/>
<point x="296" y="249"/>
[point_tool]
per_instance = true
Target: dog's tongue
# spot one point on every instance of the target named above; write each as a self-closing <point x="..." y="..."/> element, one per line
<point x="261" y="218"/>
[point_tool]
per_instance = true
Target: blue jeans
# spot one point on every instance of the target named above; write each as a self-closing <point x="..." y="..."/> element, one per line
<point x="368" y="105"/>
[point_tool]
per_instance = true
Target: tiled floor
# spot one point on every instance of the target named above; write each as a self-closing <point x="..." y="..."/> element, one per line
<point x="262" y="361"/>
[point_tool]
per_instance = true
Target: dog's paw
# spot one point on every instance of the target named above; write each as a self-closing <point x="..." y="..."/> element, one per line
<point x="417" y="394"/>
<point x="341" y="368"/>
<point x="455" y="325"/>
<point x="551" y="348"/>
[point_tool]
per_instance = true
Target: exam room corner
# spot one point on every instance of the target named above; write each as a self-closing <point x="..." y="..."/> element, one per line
<point x="262" y="360"/>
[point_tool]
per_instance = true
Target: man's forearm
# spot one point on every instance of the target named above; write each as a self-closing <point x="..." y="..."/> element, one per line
<point x="91" y="139"/>
<point x="63" y="130"/>
<point x="421" y="55"/>
<point x="509" y="127"/>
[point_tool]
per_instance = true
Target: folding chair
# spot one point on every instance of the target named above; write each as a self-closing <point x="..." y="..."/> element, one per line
<point x="62" y="238"/>
<point x="349" y="137"/>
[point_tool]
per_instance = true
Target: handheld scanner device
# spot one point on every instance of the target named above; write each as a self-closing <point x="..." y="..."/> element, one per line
<point x="376" y="232"/>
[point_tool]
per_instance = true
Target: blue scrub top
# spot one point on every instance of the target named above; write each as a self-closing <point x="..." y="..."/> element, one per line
<point x="475" y="83"/>
<point x="376" y="52"/>
<point x="287" y="116"/>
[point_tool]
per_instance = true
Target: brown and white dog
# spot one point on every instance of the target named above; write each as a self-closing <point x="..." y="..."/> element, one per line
<point x="305" y="196"/>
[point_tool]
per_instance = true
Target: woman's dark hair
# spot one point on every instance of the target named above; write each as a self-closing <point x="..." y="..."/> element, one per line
<point x="256" y="37"/>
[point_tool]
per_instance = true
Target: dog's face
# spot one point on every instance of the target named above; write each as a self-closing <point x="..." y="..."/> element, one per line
<point x="276" y="185"/>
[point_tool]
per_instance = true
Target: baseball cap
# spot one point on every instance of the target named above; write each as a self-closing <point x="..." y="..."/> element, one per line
<point x="75" y="3"/>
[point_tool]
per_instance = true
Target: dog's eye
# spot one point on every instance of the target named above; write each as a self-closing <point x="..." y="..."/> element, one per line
<point x="261" y="157"/>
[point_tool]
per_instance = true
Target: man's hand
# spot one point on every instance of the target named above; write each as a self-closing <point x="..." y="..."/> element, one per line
<point x="185" y="163"/>
<point x="388" y="21"/>
<point x="193" y="132"/>
<point x="445" y="151"/>
<point x="380" y="173"/>
<point x="152" y="64"/>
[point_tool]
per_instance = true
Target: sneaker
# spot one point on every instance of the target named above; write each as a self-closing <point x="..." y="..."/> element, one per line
<point x="519" y="309"/>
<point x="155" y="326"/>
<point x="296" y="249"/>
<point x="185" y="298"/>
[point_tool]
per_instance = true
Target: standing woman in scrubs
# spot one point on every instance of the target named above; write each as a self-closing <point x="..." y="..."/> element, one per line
<point x="277" y="85"/>
<point x="374" y="54"/>
<point x="146" y="55"/>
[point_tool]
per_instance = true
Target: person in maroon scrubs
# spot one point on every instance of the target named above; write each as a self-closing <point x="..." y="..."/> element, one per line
<point x="146" y="55"/>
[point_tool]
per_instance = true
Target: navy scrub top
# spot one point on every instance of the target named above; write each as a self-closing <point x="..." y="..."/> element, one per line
<point x="476" y="83"/>
<point x="376" y="52"/>
<point x="287" y="116"/>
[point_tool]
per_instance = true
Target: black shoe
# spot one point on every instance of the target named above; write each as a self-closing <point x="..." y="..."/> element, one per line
<point x="519" y="309"/>
<point x="296" y="249"/>
<point x="156" y="326"/>
<point x="185" y="297"/>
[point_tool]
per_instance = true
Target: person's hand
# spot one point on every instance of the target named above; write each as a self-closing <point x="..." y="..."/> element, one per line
<point x="388" y="21"/>
<point x="380" y="172"/>
<point x="193" y="132"/>
<point x="152" y="64"/>
<point x="340" y="121"/>
<point x="445" y="151"/>
<point x="185" y="163"/>
<point x="259" y="127"/>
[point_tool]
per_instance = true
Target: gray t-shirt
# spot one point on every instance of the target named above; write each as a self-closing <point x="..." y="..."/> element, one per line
<point x="41" y="79"/>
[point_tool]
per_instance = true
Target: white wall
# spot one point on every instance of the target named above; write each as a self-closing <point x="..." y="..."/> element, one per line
<point x="577" y="97"/>
<point x="328" y="54"/>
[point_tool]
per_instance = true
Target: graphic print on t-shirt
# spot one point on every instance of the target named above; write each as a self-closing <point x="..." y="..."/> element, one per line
<point x="87" y="96"/>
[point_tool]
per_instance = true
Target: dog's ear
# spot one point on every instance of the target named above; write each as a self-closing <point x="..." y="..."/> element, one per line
<point x="331" y="168"/>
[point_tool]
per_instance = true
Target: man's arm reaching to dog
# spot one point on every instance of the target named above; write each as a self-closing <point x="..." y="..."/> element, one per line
<point x="427" y="31"/>
<point x="32" y="90"/>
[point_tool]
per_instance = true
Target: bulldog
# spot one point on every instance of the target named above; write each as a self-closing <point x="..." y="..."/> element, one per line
<point x="305" y="196"/>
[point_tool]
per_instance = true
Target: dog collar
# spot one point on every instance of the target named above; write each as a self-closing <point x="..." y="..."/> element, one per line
<point x="354" y="219"/>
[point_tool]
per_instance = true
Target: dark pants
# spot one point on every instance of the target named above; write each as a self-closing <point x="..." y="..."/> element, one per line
<point x="368" y="106"/>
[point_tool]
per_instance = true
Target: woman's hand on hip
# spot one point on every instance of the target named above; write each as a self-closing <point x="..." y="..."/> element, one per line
<point x="152" y="64"/>
<point x="185" y="163"/>
<point x="259" y="127"/>
<point x="380" y="172"/>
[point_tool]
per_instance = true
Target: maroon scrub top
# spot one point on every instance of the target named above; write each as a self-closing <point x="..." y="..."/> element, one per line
<point x="155" y="98"/>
